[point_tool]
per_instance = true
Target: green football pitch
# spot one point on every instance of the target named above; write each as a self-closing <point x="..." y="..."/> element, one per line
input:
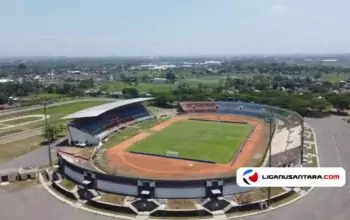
<point x="200" y="140"/>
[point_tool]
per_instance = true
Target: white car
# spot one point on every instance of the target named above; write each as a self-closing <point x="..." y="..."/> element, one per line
<point x="80" y="144"/>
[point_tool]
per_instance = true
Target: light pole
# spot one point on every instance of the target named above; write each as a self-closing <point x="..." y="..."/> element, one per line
<point x="47" y="134"/>
<point x="270" y="119"/>
<point x="302" y="142"/>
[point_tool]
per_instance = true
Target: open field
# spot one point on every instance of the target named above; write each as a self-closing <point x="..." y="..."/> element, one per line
<point x="210" y="141"/>
<point x="9" y="131"/>
<point x="335" y="77"/>
<point x="50" y="96"/>
<point x="55" y="113"/>
<point x="143" y="87"/>
<point x="18" y="148"/>
<point x="15" y="121"/>
<point x="216" y="78"/>
<point x="146" y="87"/>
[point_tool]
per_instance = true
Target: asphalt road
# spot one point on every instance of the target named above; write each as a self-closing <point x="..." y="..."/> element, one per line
<point x="36" y="203"/>
<point x="333" y="138"/>
<point x="38" y="157"/>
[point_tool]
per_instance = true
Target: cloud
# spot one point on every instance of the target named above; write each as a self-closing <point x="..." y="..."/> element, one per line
<point x="278" y="9"/>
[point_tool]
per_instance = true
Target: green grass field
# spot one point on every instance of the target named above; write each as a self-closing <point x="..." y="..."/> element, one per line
<point x="146" y="87"/>
<point x="15" y="149"/>
<point x="201" y="140"/>
<point x="16" y="121"/>
<point x="56" y="114"/>
<point x="143" y="87"/>
<point x="128" y="132"/>
<point x="335" y="77"/>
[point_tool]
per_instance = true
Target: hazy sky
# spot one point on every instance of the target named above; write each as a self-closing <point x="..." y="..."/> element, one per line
<point x="173" y="27"/>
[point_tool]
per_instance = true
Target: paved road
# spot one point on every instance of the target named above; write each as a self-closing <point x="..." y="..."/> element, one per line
<point x="38" y="157"/>
<point x="35" y="203"/>
<point x="333" y="138"/>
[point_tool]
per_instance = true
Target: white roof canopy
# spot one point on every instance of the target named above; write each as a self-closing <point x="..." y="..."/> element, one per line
<point x="100" y="109"/>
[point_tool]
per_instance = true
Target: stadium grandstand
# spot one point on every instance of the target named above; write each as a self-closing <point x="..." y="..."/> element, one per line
<point x="198" y="107"/>
<point x="90" y="126"/>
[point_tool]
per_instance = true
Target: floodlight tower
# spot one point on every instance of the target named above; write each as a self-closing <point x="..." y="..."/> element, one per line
<point x="44" y="103"/>
<point x="271" y="120"/>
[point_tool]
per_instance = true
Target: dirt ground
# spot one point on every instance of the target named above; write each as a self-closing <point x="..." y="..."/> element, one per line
<point x="165" y="168"/>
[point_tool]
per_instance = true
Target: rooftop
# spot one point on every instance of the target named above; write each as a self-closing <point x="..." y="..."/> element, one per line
<point x="100" y="109"/>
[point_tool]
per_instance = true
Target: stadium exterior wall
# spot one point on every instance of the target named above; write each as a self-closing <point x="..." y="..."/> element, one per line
<point x="75" y="135"/>
<point x="130" y="186"/>
<point x="175" y="189"/>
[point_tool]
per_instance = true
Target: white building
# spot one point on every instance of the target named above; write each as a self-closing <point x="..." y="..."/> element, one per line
<point x="160" y="80"/>
<point x="212" y="62"/>
<point x="5" y="80"/>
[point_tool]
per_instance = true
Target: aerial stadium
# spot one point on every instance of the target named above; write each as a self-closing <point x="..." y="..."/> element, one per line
<point x="176" y="164"/>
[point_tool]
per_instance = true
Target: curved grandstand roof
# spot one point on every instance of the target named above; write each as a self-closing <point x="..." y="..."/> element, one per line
<point x="100" y="109"/>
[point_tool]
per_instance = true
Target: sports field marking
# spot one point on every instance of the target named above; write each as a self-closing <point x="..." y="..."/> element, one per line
<point x="200" y="140"/>
<point x="22" y="119"/>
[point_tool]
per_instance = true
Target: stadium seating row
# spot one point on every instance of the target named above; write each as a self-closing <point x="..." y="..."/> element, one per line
<point x="241" y="108"/>
<point x="96" y="125"/>
<point x="223" y="107"/>
<point x="199" y="106"/>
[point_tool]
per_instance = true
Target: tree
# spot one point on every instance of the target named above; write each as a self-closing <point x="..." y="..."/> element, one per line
<point x="170" y="76"/>
<point x="318" y="76"/>
<point x="163" y="99"/>
<point x="327" y="84"/>
<point x="22" y="66"/>
<point x="62" y="128"/>
<point x="340" y="102"/>
<point x="319" y="104"/>
<point x="260" y="86"/>
<point x="130" y="92"/>
<point x="300" y="105"/>
<point x="136" y="82"/>
<point x="3" y="98"/>
<point x="308" y="80"/>
<point x="146" y="78"/>
<point x="51" y="132"/>
<point x="86" y="84"/>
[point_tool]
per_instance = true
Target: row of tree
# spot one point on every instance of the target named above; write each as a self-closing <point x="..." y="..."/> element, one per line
<point x="275" y="68"/>
<point x="28" y="88"/>
<point x="303" y="104"/>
